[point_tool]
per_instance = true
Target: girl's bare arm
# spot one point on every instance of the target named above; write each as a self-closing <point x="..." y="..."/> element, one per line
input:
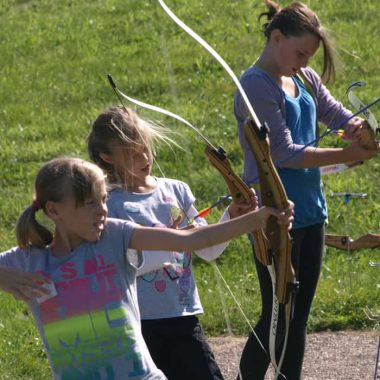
<point x="206" y="236"/>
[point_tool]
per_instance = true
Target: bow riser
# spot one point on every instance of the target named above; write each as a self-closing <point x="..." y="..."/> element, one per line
<point x="279" y="240"/>
<point x="368" y="137"/>
<point x="240" y="193"/>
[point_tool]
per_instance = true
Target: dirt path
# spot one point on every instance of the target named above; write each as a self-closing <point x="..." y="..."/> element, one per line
<point x="345" y="355"/>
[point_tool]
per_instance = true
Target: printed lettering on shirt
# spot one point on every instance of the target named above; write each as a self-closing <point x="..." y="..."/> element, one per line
<point x="86" y="325"/>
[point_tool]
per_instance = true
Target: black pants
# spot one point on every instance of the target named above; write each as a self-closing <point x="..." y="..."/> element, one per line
<point x="179" y="348"/>
<point x="307" y="252"/>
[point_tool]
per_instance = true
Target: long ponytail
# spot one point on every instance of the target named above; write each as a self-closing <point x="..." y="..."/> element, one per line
<point x="295" y="20"/>
<point x="30" y="232"/>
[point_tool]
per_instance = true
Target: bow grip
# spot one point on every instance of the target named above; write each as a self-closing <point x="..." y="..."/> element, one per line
<point x="368" y="137"/>
<point x="240" y="193"/>
<point x="273" y="195"/>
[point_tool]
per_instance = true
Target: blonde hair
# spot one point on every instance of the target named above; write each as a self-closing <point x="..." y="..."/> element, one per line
<point x="121" y="126"/>
<point x="57" y="180"/>
<point x="296" y="20"/>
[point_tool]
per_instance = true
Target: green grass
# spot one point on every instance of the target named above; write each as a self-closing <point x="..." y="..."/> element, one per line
<point x="54" y="59"/>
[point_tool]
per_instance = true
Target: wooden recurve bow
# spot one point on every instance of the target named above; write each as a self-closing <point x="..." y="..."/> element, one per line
<point x="272" y="184"/>
<point x="277" y="256"/>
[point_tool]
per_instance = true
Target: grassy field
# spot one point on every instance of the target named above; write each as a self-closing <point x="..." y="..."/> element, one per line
<point x="54" y="59"/>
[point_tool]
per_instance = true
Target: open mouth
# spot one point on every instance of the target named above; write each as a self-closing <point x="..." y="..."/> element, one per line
<point x="99" y="225"/>
<point x="146" y="168"/>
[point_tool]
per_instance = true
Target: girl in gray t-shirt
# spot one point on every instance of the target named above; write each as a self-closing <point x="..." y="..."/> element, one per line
<point x="78" y="281"/>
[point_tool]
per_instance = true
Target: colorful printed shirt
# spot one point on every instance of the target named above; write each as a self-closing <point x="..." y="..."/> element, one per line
<point x="91" y="329"/>
<point x="171" y="291"/>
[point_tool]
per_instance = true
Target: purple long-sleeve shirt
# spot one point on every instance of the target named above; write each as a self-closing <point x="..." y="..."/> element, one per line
<point x="268" y="102"/>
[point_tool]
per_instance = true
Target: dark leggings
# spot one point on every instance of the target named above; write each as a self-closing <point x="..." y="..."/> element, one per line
<point x="179" y="348"/>
<point x="307" y="252"/>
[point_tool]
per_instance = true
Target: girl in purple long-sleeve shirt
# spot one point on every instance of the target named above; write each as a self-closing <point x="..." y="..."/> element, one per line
<point x="280" y="97"/>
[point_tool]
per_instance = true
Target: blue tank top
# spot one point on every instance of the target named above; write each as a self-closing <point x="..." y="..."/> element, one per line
<point x="303" y="186"/>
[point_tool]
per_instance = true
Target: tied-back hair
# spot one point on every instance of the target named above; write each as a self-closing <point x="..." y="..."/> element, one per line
<point x="120" y="127"/>
<point x="294" y="21"/>
<point x="56" y="181"/>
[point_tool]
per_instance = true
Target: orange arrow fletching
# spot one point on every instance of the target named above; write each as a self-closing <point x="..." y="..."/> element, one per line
<point x="203" y="213"/>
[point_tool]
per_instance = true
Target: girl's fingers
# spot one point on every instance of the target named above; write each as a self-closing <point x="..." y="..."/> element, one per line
<point x="23" y="286"/>
<point x="189" y="226"/>
<point x="35" y="293"/>
<point x="32" y="285"/>
<point x="353" y="129"/>
<point x="30" y="293"/>
<point x="19" y="296"/>
<point x="284" y="217"/>
<point x="254" y="199"/>
<point x="176" y="223"/>
<point x="36" y="283"/>
<point x="40" y="279"/>
<point x="22" y="295"/>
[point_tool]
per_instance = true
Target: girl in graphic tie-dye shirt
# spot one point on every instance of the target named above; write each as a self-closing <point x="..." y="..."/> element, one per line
<point x="78" y="281"/>
<point x="122" y="144"/>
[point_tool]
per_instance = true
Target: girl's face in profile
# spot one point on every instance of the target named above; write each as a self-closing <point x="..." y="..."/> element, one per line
<point x="78" y="223"/>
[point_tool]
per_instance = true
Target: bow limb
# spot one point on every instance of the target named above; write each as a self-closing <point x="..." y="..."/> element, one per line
<point x="370" y="125"/>
<point x="215" y="54"/>
<point x="344" y="242"/>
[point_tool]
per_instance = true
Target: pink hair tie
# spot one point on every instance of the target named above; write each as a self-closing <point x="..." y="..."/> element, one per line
<point x="36" y="204"/>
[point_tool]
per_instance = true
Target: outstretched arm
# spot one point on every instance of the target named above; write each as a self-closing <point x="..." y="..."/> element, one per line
<point x="206" y="236"/>
<point x="234" y="210"/>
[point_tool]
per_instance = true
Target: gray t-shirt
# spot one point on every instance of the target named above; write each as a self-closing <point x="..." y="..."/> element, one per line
<point x="171" y="291"/>
<point x="91" y="328"/>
